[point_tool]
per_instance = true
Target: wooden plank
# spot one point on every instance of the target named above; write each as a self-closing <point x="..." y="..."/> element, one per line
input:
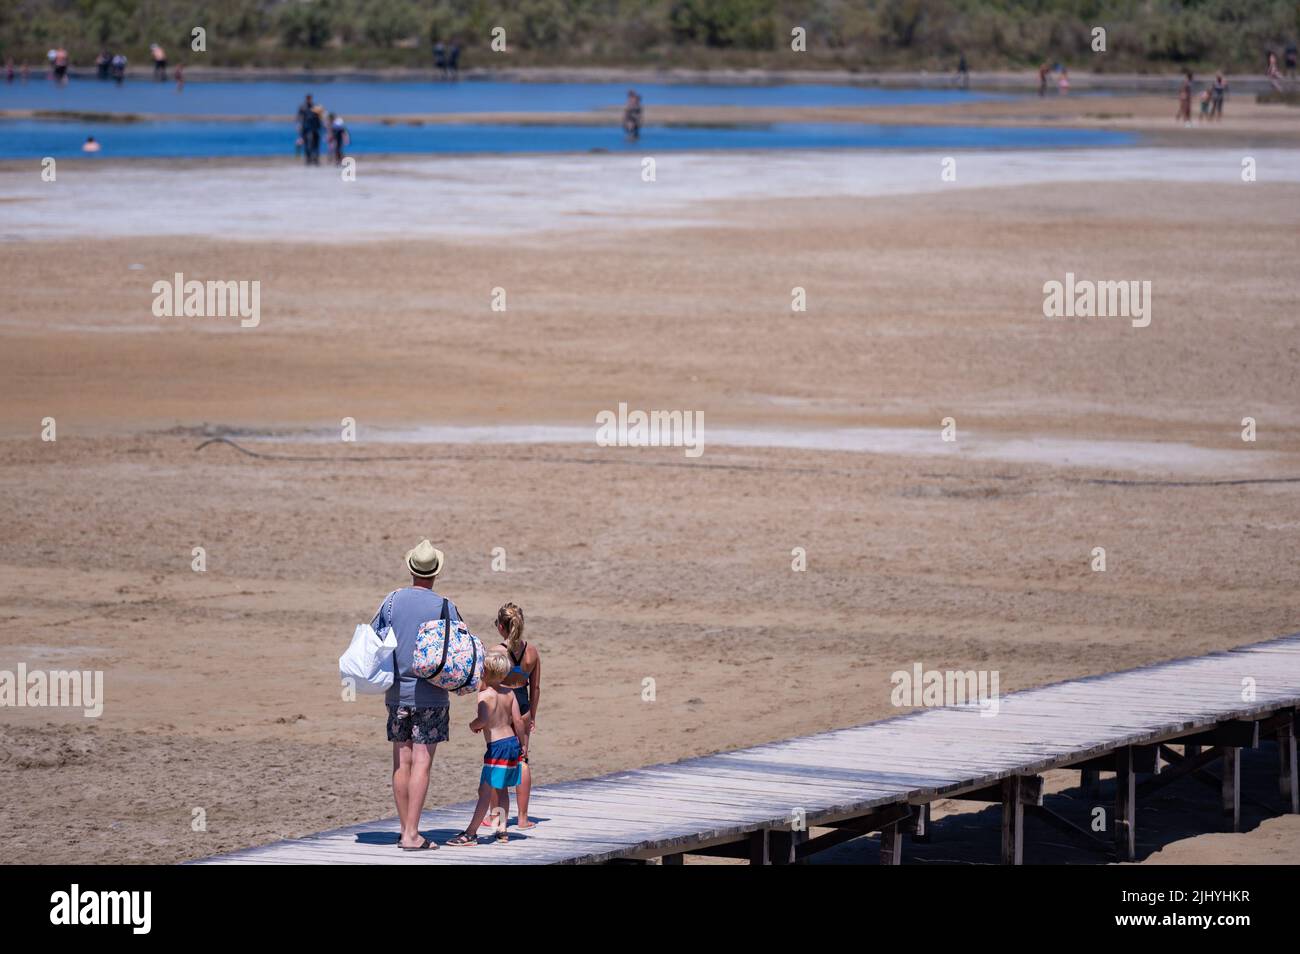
<point x="1030" y="788"/>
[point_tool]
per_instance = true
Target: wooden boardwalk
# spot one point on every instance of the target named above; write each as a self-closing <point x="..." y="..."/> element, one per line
<point x="1159" y="723"/>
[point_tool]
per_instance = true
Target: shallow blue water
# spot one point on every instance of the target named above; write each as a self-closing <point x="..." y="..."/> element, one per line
<point x="375" y="98"/>
<point x="34" y="139"/>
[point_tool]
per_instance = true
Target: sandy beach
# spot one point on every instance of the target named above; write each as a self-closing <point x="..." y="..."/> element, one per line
<point x="925" y="301"/>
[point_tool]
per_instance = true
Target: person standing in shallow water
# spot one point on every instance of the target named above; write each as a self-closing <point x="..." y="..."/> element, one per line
<point x="309" y="130"/>
<point x="1184" y="113"/>
<point x="632" y="115"/>
<point x="418" y="710"/>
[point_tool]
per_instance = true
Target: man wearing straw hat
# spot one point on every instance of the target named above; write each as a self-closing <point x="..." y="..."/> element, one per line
<point x="417" y="709"/>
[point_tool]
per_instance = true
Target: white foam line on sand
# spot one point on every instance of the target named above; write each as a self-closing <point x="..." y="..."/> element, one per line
<point x="1157" y="457"/>
<point x="459" y="197"/>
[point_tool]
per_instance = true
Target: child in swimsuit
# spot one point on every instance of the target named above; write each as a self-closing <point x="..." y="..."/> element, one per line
<point x="502" y="727"/>
<point x="525" y="680"/>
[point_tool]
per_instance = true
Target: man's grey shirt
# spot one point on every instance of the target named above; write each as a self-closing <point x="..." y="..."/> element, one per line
<point x="406" y="610"/>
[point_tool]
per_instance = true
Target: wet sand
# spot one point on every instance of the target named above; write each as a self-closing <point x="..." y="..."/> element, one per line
<point x="631" y="563"/>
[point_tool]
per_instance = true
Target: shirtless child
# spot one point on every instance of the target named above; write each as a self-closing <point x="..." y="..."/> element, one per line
<point x="502" y="727"/>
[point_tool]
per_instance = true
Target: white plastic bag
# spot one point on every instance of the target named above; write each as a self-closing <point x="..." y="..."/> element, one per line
<point x="368" y="661"/>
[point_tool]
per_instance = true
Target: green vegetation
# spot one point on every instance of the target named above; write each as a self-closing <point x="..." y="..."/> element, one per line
<point x="845" y="34"/>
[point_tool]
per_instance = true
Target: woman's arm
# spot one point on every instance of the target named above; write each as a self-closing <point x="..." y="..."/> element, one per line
<point x="534" y="687"/>
<point x="517" y="723"/>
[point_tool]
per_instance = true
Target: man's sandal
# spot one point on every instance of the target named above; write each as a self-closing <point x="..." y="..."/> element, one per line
<point x="463" y="840"/>
<point x="427" y="845"/>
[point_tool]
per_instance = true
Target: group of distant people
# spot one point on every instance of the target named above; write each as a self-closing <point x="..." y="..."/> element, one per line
<point x="313" y="126"/>
<point x="446" y="59"/>
<point x="1062" y="78"/>
<point x="108" y="66"/>
<point x="1211" y="99"/>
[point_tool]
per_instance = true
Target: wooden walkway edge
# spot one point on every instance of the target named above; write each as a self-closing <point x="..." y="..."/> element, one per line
<point x="758" y="803"/>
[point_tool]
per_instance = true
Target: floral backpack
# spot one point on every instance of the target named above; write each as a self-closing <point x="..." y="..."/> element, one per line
<point x="448" y="654"/>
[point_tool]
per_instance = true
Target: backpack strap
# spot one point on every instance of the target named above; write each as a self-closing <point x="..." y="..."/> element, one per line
<point x="472" y="664"/>
<point x="397" y="675"/>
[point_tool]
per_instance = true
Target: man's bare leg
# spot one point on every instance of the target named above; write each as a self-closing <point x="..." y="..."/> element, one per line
<point x="417" y="787"/>
<point x="401" y="785"/>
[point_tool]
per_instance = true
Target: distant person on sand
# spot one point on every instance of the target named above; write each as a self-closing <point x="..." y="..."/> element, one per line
<point x="525" y="681"/>
<point x="61" y="66"/>
<point x="118" y="68"/>
<point x="339" y="139"/>
<point x="499" y="720"/>
<point x="1272" y="73"/>
<point x="159" y="62"/>
<point x="90" y="146"/>
<point x="9" y="69"/>
<point x="417" y="709"/>
<point x="179" y="74"/>
<point x="1206" y="98"/>
<point x="632" y="115"/>
<point x="1043" y="70"/>
<point x="453" y="60"/>
<point x="1220" y="89"/>
<point x="440" y="59"/>
<point x="1290" y="56"/>
<point x="1063" y="82"/>
<point x="309" y="130"/>
<point x="102" y="63"/>
<point x="1184" y="113"/>
<point x="963" y="73"/>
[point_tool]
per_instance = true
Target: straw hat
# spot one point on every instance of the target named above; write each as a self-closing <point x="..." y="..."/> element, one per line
<point x="425" y="561"/>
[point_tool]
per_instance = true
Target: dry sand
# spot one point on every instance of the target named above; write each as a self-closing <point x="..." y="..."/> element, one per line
<point x="221" y="686"/>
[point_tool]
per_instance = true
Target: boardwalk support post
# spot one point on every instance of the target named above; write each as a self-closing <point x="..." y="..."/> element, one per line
<point x="918" y="824"/>
<point x="1125" y="821"/>
<point x="783" y="845"/>
<point x="1013" y="821"/>
<point x="1232" y="785"/>
<point x="1090" y="782"/>
<point x="758" y="848"/>
<point x="1288" y="780"/>
<point x="891" y="844"/>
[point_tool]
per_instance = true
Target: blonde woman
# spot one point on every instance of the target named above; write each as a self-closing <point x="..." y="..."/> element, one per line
<point x="525" y="679"/>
